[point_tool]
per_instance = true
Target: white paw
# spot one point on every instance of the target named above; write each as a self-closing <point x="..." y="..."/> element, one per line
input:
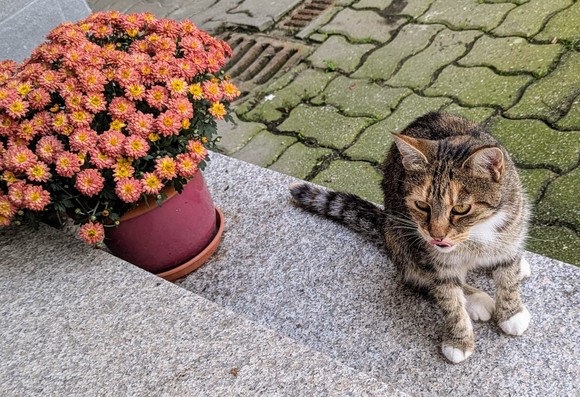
<point x="525" y="270"/>
<point x="455" y="355"/>
<point x="479" y="306"/>
<point x="516" y="324"/>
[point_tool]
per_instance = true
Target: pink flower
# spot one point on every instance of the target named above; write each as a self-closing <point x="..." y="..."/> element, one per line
<point x="7" y="208"/>
<point x="136" y="146"/>
<point x="16" y="193"/>
<point x="89" y="182"/>
<point x="95" y="102"/>
<point x="166" y="168"/>
<point x="157" y="96"/>
<point x="230" y="91"/>
<point x="38" y="98"/>
<point x="168" y="123"/>
<point x="121" y="108"/>
<point x="181" y="106"/>
<point x="101" y="160"/>
<point x="48" y="147"/>
<point x="128" y="189"/>
<point x="83" y="140"/>
<point x="212" y="91"/>
<point x="35" y="198"/>
<point x="197" y="150"/>
<point x="141" y="124"/>
<point x="186" y="166"/>
<point x="38" y="172"/>
<point x="217" y="110"/>
<point x="19" y="158"/>
<point x="92" y="232"/>
<point x="151" y="183"/>
<point x="112" y="143"/>
<point x="67" y="164"/>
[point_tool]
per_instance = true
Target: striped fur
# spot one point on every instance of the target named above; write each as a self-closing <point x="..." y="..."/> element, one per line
<point x="443" y="162"/>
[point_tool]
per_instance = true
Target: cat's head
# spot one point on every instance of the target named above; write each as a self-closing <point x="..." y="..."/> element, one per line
<point x="452" y="185"/>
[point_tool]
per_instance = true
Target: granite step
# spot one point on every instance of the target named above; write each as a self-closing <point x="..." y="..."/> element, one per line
<point x="79" y="322"/>
<point x="335" y="292"/>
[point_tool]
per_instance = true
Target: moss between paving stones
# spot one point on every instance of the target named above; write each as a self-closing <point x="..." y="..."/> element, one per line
<point x="556" y="242"/>
<point x="565" y="26"/>
<point x="235" y="135"/>
<point x="325" y="125"/>
<point x="533" y="181"/>
<point x="299" y="160"/>
<point x="337" y="53"/>
<point x="533" y="143"/>
<point x="477" y="86"/>
<point x="560" y="202"/>
<point x="362" y="26"/>
<point x="355" y="177"/>
<point x="372" y="145"/>
<point x="412" y="8"/>
<point x="264" y="148"/>
<point x="550" y="97"/>
<point x="355" y="97"/>
<point x="306" y="85"/>
<point x="528" y="19"/>
<point x="466" y="14"/>
<point x="479" y="115"/>
<point x="418" y="70"/>
<point x="572" y="119"/>
<point x="382" y="63"/>
<point x="512" y="54"/>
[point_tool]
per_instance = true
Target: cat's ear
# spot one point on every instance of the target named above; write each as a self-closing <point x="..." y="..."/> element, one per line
<point x="487" y="162"/>
<point x="413" y="151"/>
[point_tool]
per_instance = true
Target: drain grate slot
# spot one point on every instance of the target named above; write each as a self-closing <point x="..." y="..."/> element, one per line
<point x="257" y="59"/>
<point x="305" y="13"/>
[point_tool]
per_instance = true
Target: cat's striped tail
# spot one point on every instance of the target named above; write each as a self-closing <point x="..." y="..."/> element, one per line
<point x="349" y="209"/>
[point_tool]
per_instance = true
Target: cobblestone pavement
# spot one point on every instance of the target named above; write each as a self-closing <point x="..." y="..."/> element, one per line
<point x="327" y="81"/>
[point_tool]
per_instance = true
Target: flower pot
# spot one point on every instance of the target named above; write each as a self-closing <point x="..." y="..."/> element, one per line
<point x="173" y="239"/>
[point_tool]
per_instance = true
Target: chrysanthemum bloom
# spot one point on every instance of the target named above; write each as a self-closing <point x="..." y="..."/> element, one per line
<point x="38" y="172"/>
<point x="168" y="123"/>
<point x="177" y="86"/>
<point x="112" y="143"/>
<point x="157" y="96"/>
<point x="196" y="91"/>
<point x="121" y="108"/>
<point x="74" y="101"/>
<point x="95" y="102"/>
<point x="141" y="124"/>
<point x="48" y="147"/>
<point x="217" y="110"/>
<point x="89" y="182"/>
<point x="181" y="106"/>
<point x="92" y="79"/>
<point x="16" y="193"/>
<point x="230" y="91"/>
<point x="7" y="209"/>
<point x="9" y="177"/>
<point x="67" y="164"/>
<point x="166" y="168"/>
<point x="135" y="91"/>
<point x="26" y="130"/>
<point x="128" y="189"/>
<point x="151" y="183"/>
<point x="60" y="122"/>
<point x="50" y="80"/>
<point x="81" y="118"/>
<point x="19" y="158"/>
<point x="197" y="150"/>
<point x="100" y="160"/>
<point x="83" y="140"/>
<point x="92" y="232"/>
<point x="38" y="99"/>
<point x="7" y="125"/>
<point x="212" y="91"/>
<point x="35" y="198"/>
<point x="122" y="169"/>
<point x="186" y="165"/>
<point x="136" y="146"/>
<point x="17" y="108"/>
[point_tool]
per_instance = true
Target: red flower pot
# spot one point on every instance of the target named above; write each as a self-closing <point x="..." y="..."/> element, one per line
<point x="173" y="239"/>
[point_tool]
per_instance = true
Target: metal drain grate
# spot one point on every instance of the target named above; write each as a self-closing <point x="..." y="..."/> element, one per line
<point x="305" y="13"/>
<point x="257" y="59"/>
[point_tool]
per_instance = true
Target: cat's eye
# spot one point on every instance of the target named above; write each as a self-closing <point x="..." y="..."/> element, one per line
<point x="461" y="209"/>
<point x="423" y="206"/>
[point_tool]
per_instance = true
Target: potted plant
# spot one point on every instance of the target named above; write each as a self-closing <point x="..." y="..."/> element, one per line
<point x="112" y="115"/>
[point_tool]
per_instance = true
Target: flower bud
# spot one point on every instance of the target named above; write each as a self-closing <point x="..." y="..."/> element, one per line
<point x="77" y="211"/>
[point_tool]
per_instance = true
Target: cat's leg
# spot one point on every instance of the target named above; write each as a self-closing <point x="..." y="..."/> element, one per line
<point x="458" y="342"/>
<point x="479" y="305"/>
<point x="512" y="316"/>
<point x="525" y="269"/>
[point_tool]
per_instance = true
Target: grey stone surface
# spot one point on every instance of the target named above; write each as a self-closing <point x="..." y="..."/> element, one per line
<point x="24" y="24"/>
<point x="337" y="293"/>
<point x="80" y="322"/>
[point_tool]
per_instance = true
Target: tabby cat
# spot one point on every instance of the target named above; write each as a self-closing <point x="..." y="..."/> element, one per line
<point x="453" y="203"/>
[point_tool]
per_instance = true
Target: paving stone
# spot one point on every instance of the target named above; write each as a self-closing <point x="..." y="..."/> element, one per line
<point x="234" y="135"/>
<point x="258" y="13"/>
<point x="477" y="86"/>
<point x="466" y="14"/>
<point x="356" y="177"/>
<point x="363" y="26"/>
<point x="556" y="242"/>
<point x="550" y="97"/>
<point x="337" y="53"/>
<point x="306" y="85"/>
<point x="477" y="114"/>
<point x="560" y="202"/>
<point x="418" y="70"/>
<point x="362" y="98"/>
<point x="565" y="26"/>
<point x="325" y="125"/>
<point x="413" y="8"/>
<point x="264" y="148"/>
<point x="411" y="39"/>
<point x="572" y="119"/>
<point x="533" y="180"/>
<point x="533" y="143"/>
<point x="512" y="54"/>
<point x="299" y="160"/>
<point x="528" y="19"/>
<point x="372" y="145"/>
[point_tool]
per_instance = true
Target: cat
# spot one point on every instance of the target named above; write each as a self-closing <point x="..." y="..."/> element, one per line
<point x="453" y="202"/>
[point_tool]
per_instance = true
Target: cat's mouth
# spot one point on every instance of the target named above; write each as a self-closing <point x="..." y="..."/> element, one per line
<point x="441" y="245"/>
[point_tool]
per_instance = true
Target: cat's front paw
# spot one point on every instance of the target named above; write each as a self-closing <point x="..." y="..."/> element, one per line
<point x="479" y="306"/>
<point x="516" y="324"/>
<point x="525" y="269"/>
<point x="454" y="354"/>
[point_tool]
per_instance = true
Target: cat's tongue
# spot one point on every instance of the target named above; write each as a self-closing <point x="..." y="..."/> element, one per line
<point x="439" y="243"/>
